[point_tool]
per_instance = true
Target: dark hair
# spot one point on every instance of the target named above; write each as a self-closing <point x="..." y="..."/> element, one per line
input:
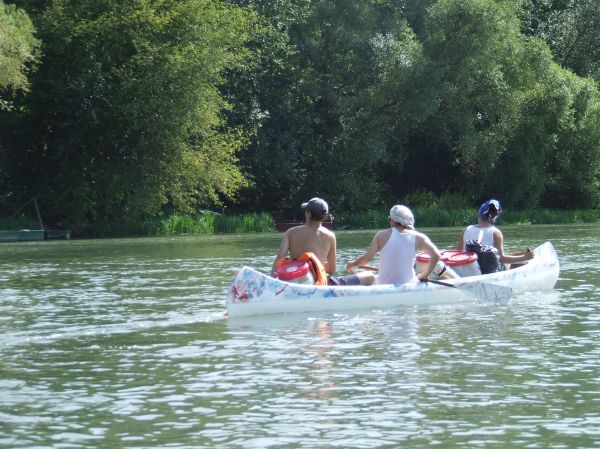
<point x="318" y="208"/>
<point x="316" y="213"/>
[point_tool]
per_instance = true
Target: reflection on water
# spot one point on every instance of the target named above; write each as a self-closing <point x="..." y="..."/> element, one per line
<point x="123" y="343"/>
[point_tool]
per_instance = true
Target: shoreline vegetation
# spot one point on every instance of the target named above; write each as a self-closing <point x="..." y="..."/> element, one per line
<point x="214" y="223"/>
<point x="112" y="113"/>
<point x="210" y="223"/>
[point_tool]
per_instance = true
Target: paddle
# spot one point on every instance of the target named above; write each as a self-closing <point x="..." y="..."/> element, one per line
<point x="481" y="290"/>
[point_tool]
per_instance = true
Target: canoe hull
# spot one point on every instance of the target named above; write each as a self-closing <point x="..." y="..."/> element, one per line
<point x="253" y="293"/>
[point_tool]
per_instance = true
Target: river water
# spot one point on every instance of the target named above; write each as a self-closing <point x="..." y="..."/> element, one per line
<point x="123" y="343"/>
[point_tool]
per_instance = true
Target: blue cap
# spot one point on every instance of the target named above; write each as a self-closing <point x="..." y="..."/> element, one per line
<point x="490" y="210"/>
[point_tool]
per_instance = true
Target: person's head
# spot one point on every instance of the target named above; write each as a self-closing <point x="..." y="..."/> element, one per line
<point x="317" y="207"/>
<point x="403" y="216"/>
<point x="490" y="210"/>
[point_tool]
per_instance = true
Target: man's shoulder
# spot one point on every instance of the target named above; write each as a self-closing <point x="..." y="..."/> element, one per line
<point x="300" y="229"/>
<point x="382" y="236"/>
<point x="327" y="232"/>
<point x="418" y="234"/>
<point x="295" y="229"/>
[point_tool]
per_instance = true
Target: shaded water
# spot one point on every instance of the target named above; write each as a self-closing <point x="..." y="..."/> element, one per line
<point x="122" y="343"/>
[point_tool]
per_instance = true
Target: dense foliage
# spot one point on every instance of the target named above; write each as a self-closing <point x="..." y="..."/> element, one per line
<point x="18" y="52"/>
<point x="125" y="113"/>
<point x="140" y="108"/>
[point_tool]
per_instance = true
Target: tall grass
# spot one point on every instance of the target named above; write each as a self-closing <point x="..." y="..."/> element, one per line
<point x="178" y="224"/>
<point x="182" y="224"/>
<point x="424" y="217"/>
<point x="253" y="222"/>
<point x="370" y="219"/>
<point x="434" y="216"/>
<point x="550" y="216"/>
<point x="214" y="223"/>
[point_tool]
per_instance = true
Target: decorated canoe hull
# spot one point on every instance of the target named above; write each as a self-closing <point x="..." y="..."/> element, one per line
<point x="254" y="293"/>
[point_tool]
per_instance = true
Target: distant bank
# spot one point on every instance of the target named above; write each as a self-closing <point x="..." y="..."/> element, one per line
<point x="216" y="223"/>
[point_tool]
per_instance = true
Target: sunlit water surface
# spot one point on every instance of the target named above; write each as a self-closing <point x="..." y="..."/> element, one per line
<point x="123" y="343"/>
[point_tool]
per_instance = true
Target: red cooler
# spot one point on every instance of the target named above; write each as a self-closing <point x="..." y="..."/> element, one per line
<point x="464" y="263"/>
<point x="297" y="271"/>
<point x="442" y="268"/>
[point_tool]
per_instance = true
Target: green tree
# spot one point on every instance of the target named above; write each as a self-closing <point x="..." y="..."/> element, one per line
<point x="474" y="50"/>
<point x="127" y="115"/>
<point x="267" y="103"/>
<point x="366" y="102"/>
<point x="572" y="30"/>
<point x="317" y="98"/>
<point x="18" y="52"/>
<point x="573" y="170"/>
<point x="506" y="112"/>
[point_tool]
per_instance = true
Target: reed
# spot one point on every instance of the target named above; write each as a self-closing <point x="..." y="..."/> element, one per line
<point x="424" y="217"/>
<point x="435" y="216"/>
<point x="178" y="224"/>
<point x="252" y="222"/>
<point x="370" y="219"/>
<point x="215" y="223"/>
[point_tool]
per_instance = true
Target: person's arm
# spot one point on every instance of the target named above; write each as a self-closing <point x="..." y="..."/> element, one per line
<point x="424" y="243"/>
<point x="509" y="258"/>
<point x="461" y="242"/>
<point x="284" y="247"/>
<point x="367" y="256"/>
<point x="331" y="262"/>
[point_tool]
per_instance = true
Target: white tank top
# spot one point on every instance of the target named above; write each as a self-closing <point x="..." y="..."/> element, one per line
<point x="485" y="236"/>
<point x="397" y="259"/>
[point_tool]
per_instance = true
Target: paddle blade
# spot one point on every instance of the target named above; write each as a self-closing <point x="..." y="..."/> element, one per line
<point x="487" y="291"/>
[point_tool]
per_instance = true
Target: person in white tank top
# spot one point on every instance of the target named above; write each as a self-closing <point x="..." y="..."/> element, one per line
<point x="486" y="233"/>
<point x="483" y="235"/>
<point x="397" y="257"/>
<point x="397" y="247"/>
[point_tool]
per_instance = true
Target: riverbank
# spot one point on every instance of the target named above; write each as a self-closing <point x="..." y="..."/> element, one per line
<point x="435" y="216"/>
<point x="216" y="223"/>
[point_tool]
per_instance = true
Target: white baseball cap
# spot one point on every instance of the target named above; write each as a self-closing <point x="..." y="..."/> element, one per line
<point x="403" y="215"/>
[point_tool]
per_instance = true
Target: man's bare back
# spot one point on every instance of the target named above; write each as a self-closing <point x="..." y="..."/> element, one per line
<point x="316" y="239"/>
<point x="310" y="237"/>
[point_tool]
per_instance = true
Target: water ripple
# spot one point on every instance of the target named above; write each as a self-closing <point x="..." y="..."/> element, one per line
<point x="123" y="343"/>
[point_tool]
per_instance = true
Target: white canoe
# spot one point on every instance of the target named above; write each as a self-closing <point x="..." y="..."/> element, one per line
<point x="254" y="293"/>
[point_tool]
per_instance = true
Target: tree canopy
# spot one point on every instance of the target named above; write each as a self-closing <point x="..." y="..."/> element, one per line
<point x="139" y="108"/>
<point x="125" y="113"/>
<point x="18" y="52"/>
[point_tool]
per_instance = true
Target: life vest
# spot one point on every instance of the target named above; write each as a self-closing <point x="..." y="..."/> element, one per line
<point x="316" y="267"/>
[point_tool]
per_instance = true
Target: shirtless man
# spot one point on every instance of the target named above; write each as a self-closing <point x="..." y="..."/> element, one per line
<point x="310" y="237"/>
<point x="315" y="238"/>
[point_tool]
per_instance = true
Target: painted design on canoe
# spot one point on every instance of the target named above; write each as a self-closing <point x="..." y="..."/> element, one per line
<point x="250" y="283"/>
<point x="253" y="292"/>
